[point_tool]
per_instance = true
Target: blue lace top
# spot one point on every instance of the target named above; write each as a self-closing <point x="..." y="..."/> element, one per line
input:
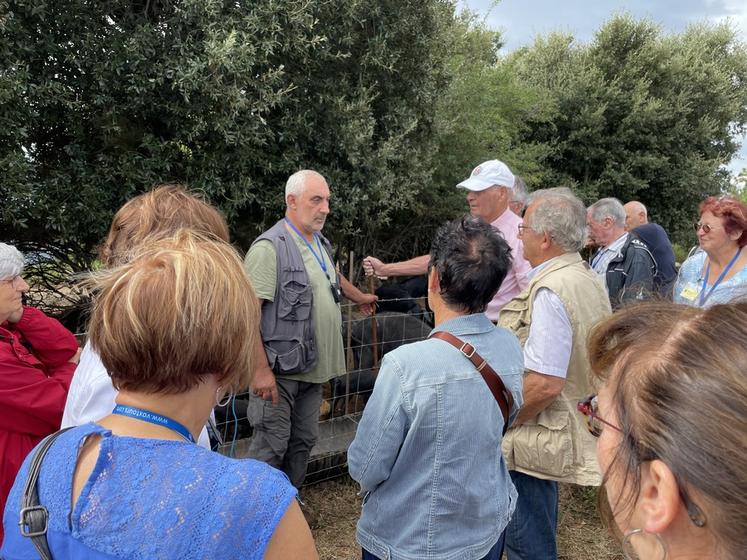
<point x="151" y="499"/>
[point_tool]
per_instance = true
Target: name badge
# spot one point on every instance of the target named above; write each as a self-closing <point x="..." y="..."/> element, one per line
<point x="690" y="291"/>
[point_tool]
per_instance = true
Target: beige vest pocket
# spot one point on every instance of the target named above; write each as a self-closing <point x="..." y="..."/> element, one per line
<point x="545" y="446"/>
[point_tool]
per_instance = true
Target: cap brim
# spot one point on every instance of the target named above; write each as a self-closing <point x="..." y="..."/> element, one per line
<point x="475" y="184"/>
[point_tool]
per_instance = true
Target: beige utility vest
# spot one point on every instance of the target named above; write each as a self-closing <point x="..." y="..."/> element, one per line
<point x="556" y="444"/>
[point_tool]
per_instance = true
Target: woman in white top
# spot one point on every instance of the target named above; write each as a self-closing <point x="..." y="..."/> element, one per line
<point x="161" y="211"/>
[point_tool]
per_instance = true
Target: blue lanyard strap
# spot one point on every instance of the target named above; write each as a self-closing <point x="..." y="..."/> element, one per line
<point x="320" y="257"/>
<point x="153" y="418"/>
<point x="703" y="295"/>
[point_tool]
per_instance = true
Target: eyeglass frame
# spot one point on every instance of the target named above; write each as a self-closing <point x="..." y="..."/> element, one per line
<point x="693" y="511"/>
<point x="522" y="227"/>
<point x="12" y="281"/>
<point x="584" y="407"/>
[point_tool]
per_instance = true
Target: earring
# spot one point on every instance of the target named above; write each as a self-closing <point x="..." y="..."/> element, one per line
<point x="228" y="396"/>
<point x="630" y="552"/>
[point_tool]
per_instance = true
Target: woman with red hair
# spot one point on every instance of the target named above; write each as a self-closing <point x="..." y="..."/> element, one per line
<point x="718" y="272"/>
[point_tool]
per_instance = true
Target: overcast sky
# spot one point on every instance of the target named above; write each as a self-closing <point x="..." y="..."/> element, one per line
<point x="521" y="20"/>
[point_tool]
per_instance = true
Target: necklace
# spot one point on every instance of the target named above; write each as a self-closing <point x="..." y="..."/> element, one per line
<point x="154" y="418"/>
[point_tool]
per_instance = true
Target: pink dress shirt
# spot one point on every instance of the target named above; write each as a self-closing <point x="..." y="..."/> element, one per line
<point x="517" y="278"/>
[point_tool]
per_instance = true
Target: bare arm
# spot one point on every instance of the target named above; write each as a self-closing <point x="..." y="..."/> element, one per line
<point x="263" y="381"/>
<point x="292" y="537"/>
<point x="539" y="393"/>
<point x="413" y="267"/>
<point x="365" y="301"/>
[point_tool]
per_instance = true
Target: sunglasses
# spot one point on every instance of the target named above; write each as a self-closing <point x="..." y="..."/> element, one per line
<point x="705" y="227"/>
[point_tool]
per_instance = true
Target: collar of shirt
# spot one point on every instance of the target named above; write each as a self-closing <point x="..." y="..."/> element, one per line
<point x="536" y="270"/>
<point x="617" y="244"/>
<point x="606" y="254"/>
<point x="505" y="221"/>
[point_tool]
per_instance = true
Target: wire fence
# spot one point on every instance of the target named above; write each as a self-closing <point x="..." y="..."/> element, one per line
<point x="367" y="340"/>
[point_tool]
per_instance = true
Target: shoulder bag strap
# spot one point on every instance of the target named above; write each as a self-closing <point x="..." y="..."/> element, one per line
<point x="502" y="396"/>
<point x="34" y="516"/>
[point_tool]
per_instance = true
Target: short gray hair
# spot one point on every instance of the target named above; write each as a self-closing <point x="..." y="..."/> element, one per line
<point x="608" y="207"/>
<point x="519" y="191"/>
<point x="561" y="215"/>
<point x="296" y="183"/>
<point x="11" y="261"/>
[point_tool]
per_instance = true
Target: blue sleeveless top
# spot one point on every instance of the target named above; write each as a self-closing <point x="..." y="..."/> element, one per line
<point x="150" y="499"/>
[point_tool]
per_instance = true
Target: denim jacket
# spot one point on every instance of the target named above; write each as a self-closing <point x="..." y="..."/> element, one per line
<point x="427" y="452"/>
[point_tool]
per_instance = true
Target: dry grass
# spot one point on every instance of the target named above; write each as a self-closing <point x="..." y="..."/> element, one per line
<point x="333" y="508"/>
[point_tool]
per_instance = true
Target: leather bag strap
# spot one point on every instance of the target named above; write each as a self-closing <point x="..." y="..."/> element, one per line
<point x="34" y="518"/>
<point x="502" y="396"/>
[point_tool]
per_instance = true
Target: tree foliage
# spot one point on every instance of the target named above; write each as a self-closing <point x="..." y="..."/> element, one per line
<point x="639" y="114"/>
<point x="101" y="100"/>
<point x="394" y="101"/>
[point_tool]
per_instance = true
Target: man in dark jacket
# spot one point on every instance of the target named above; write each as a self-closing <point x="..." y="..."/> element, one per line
<point x="657" y="241"/>
<point x="623" y="261"/>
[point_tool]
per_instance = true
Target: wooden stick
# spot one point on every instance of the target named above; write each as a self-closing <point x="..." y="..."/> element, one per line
<point x="374" y="329"/>
<point x="349" y="359"/>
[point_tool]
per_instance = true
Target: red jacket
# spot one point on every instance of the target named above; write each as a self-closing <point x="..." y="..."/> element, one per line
<point x="34" y="378"/>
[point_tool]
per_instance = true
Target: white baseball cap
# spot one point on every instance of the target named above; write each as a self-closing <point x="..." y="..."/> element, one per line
<point x="488" y="174"/>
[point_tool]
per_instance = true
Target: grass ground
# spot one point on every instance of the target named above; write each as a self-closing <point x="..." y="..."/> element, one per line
<point x="333" y="508"/>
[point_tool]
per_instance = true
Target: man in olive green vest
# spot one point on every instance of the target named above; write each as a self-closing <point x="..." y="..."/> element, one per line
<point x="551" y="317"/>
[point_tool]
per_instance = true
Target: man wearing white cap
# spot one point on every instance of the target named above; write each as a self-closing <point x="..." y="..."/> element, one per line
<point x="489" y="191"/>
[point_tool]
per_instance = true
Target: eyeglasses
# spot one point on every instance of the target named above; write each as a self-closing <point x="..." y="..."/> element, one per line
<point x="589" y="407"/>
<point x="522" y="227"/>
<point x="705" y="227"/>
<point x="14" y="281"/>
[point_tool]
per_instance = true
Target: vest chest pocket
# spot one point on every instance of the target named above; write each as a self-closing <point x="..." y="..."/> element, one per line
<point x="545" y="446"/>
<point x="295" y="301"/>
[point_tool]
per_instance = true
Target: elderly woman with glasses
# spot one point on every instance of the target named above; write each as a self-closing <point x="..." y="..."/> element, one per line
<point x="37" y="360"/>
<point x="717" y="273"/>
<point x="671" y="418"/>
<point x="176" y="327"/>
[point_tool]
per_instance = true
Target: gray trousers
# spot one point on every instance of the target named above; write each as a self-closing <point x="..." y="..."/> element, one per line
<point x="285" y="433"/>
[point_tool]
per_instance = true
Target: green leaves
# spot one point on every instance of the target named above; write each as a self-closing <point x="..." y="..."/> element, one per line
<point x="641" y="114"/>
<point x="101" y="100"/>
<point x="393" y="101"/>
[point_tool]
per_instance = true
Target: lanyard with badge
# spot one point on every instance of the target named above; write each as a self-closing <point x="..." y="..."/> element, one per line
<point x="703" y="295"/>
<point x="319" y="258"/>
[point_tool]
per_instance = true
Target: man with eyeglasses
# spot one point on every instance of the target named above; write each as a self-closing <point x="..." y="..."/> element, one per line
<point x="549" y="442"/>
<point x="37" y="359"/>
<point x="623" y="261"/>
